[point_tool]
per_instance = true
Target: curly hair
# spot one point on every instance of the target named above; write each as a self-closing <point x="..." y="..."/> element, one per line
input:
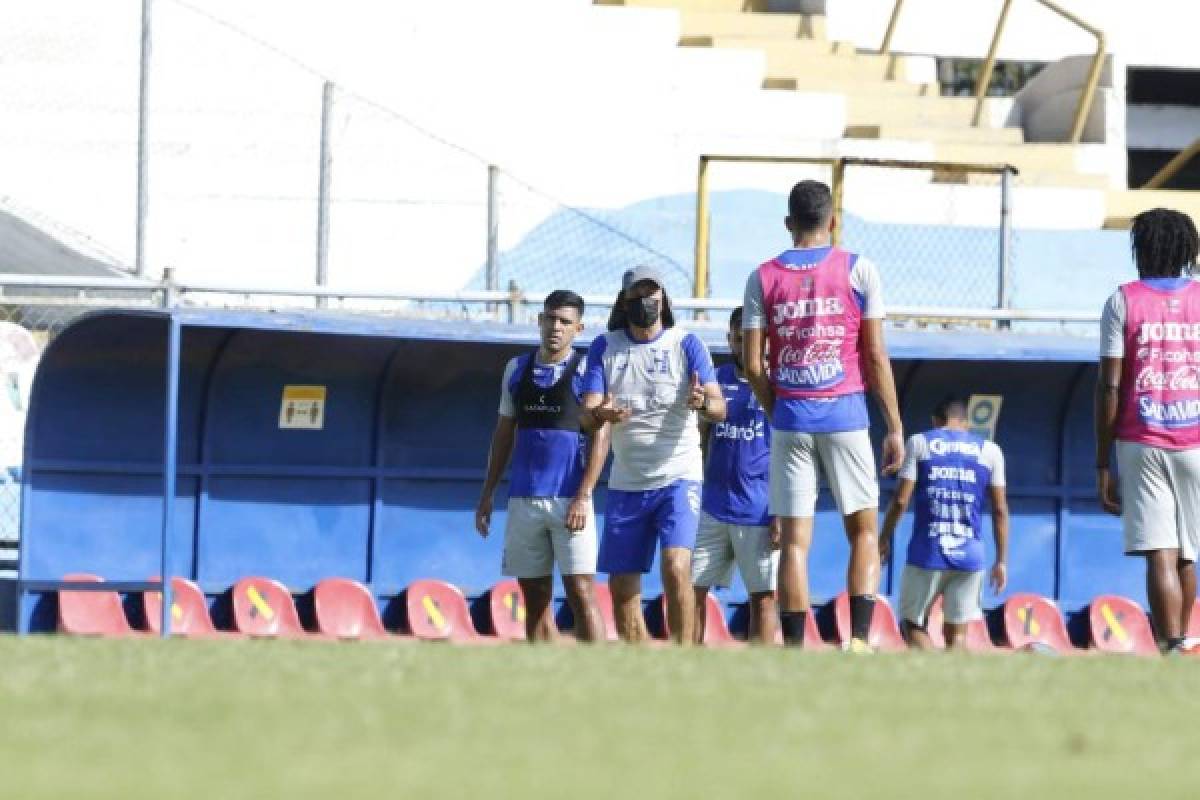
<point x="1164" y="243"/>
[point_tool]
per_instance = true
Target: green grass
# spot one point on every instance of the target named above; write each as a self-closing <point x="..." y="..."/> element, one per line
<point x="179" y="719"/>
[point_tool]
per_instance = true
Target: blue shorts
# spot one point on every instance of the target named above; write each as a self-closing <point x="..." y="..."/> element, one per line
<point x="635" y="521"/>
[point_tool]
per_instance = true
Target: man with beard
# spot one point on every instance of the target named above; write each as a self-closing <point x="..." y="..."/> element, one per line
<point x="650" y="379"/>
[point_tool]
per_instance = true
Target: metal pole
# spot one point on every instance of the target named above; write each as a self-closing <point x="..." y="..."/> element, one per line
<point x="1089" y="91"/>
<point x="325" y="174"/>
<point x="700" y="278"/>
<point x="989" y="64"/>
<point x="170" y="437"/>
<point x="143" y="144"/>
<point x="839" y="185"/>
<point x="493" y="227"/>
<point x="891" y="28"/>
<point x="1003" y="300"/>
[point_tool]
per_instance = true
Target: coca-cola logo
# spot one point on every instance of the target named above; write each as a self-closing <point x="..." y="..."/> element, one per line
<point x="1151" y="379"/>
<point x="816" y="352"/>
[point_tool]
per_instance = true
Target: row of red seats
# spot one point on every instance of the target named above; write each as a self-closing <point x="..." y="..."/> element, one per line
<point x="438" y="611"/>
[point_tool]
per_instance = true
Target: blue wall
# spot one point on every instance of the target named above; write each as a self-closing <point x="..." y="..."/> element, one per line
<point x="386" y="492"/>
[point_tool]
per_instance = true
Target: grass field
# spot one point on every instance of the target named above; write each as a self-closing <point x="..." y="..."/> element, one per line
<point x="112" y="719"/>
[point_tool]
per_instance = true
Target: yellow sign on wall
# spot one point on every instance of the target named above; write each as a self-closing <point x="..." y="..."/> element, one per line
<point x="983" y="412"/>
<point x="302" y="408"/>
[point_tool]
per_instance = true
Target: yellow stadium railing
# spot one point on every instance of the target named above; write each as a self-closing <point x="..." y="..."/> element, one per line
<point x="1172" y="167"/>
<point x="1086" y="99"/>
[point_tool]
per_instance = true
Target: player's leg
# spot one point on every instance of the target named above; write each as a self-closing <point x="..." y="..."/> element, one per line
<point x="1185" y="479"/>
<point x="849" y="464"/>
<point x="1165" y="594"/>
<point x="676" y="518"/>
<point x="793" y="499"/>
<point x="539" y="619"/>
<point x="627" y="551"/>
<point x="918" y="591"/>
<point x="529" y="557"/>
<point x="1187" y="590"/>
<point x="1150" y="519"/>
<point x="575" y="554"/>
<point x="758" y="563"/>
<point x="962" y="604"/>
<point x="581" y="597"/>
<point x="712" y="565"/>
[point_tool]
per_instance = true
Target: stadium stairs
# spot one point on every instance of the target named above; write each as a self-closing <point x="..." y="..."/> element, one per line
<point x="893" y="98"/>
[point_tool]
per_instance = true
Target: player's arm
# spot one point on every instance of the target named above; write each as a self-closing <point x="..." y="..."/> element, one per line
<point x="883" y="385"/>
<point x="753" y="346"/>
<point x="705" y="395"/>
<point x="895" y="510"/>
<point x="754" y="342"/>
<point x="581" y="504"/>
<point x="1108" y="384"/>
<point x="597" y="405"/>
<point x="498" y="455"/>
<point x="999" y="500"/>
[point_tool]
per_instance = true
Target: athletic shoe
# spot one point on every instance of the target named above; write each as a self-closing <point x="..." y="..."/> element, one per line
<point x="859" y="646"/>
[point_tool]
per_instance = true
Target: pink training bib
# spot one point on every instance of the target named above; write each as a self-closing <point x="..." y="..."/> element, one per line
<point x="1160" y="383"/>
<point x="813" y="323"/>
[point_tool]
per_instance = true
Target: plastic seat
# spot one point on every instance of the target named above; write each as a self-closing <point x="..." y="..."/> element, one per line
<point x="978" y="638"/>
<point x="1119" y="625"/>
<point x="345" y="609"/>
<point x="437" y="612"/>
<point x="884" y="633"/>
<point x="86" y="613"/>
<point x="716" y="629"/>
<point x="189" y="612"/>
<point x="506" y="608"/>
<point x="1032" y="621"/>
<point x="263" y="607"/>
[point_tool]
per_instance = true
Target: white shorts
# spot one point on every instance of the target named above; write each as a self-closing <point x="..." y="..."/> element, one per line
<point x="536" y="536"/>
<point x="846" y="459"/>
<point x="962" y="594"/>
<point x="1160" y="498"/>
<point x="720" y="544"/>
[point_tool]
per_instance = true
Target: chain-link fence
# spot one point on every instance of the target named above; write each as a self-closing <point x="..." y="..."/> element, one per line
<point x="939" y="233"/>
<point x="941" y="237"/>
<point x="237" y="131"/>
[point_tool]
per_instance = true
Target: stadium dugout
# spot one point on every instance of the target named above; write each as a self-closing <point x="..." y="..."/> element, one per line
<point x="307" y="446"/>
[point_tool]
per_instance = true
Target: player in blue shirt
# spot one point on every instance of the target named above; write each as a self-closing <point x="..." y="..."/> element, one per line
<point x="950" y="469"/>
<point x="734" y="523"/>
<point x="552" y="477"/>
<point x="650" y="380"/>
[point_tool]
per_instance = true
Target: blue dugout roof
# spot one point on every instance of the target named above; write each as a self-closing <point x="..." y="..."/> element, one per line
<point x="954" y="345"/>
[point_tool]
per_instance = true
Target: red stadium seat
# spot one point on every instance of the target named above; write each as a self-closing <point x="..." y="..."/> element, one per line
<point x="506" y="607"/>
<point x="1193" y="629"/>
<point x="884" y="634"/>
<point x="978" y="639"/>
<point x="84" y="613"/>
<point x="1031" y="620"/>
<point x="1119" y="625"/>
<point x="716" y="630"/>
<point x="345" y="609"/>
<point x="437" y="612"/>
<point x="189" y="611"/>
<point x="263" y="607"/>
<point x="604" y="603"/>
